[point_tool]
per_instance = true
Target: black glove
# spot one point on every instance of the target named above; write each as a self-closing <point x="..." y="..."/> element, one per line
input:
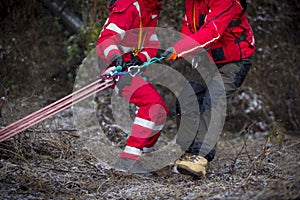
<point x="118" y="59"/>
<point x="135" y="60"/>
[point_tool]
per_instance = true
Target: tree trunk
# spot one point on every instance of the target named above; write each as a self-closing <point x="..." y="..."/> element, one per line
<point x="69" y="18"/>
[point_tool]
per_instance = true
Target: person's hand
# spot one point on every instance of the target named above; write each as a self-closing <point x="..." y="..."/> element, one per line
<point x="107" y="74"/>
<point x="135" y="60"/>
<point x="118" y="59"/>
<point x="169" y="54"/>
<point x="109" y="71"/>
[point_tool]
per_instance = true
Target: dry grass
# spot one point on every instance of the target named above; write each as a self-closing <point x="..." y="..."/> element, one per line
<point x="55" y="165"/>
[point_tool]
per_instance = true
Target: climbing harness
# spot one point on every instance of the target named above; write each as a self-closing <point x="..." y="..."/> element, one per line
<point x="105" y="81"/>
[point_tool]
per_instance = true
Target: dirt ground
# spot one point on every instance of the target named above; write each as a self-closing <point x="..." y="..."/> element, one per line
<point x="50" y="161"/>
<point x="49" y="165"/>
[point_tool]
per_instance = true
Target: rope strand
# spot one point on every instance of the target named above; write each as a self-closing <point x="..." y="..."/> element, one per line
<point x="145" y="64"/>
<point x="66" y="102"/>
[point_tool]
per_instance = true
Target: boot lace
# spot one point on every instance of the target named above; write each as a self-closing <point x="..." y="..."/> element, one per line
<point x="191" y="158"/>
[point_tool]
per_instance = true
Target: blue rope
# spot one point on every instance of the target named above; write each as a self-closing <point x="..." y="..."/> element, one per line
<point x="145" y="64"/>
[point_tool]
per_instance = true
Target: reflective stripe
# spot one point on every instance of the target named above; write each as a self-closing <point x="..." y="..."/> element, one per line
<point x="136" y="109"/>
<point x="187" y="51"/>
<point x="115" y="28"/>
<point x="147" y="124"/>
<point x="108" y="49"/>
<point x="153" y="37"/>
<point x="185" y="18"/>
<point x="125" y="49"/>
<point x="201" y="46"/>
<point x="146" y="54"/>
<point x="153" y="16"/>
<point x="103" y="26"/>
<point x="253" y="40"/>
<point x="106" y="21"/>
<point x="137" y="7"/>
<point x="142" y="133"/>
<point x="133" y="150"/>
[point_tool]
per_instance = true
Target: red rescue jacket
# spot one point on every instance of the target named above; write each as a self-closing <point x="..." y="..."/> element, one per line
<point x="221" y="27"/>
<point x="122" y="32"/>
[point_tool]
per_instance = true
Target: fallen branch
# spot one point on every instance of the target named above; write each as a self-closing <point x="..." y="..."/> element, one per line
<point x="68" y="17"/>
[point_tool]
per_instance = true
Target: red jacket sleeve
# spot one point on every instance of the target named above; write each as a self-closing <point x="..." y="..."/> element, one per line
<point x="113" y="32"/>
<point x="185" y="29"/>
<point x="120" y="34"/>
<point x="216" y="21"/>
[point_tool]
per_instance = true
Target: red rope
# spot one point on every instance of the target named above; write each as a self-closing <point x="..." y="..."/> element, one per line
<point x="54" y="108"/>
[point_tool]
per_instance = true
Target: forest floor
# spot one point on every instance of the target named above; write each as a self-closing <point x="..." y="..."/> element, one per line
<point x="53" y="166"/>
<point x="47" y="163"/>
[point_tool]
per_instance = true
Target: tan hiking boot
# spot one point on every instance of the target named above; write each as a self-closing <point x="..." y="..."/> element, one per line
<point x="193" y="165"/>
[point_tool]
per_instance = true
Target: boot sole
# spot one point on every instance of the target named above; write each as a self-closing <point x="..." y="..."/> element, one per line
<point x="182" y="169"/>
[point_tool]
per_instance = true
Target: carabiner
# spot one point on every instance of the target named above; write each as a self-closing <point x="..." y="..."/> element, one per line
<point x="134" y="72"/>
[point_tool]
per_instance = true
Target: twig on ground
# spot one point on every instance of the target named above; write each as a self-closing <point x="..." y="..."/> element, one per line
<point x="246" y="132"/>
<point x="13" y="153"/>
<point x="257" y="161"/>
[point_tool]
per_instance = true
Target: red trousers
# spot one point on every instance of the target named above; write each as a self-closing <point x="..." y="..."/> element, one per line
<point x="151" y="114"/>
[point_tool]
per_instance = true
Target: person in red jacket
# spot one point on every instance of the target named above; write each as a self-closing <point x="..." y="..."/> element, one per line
<point x="128" y="38"/>
<point x="222" y="29"/>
